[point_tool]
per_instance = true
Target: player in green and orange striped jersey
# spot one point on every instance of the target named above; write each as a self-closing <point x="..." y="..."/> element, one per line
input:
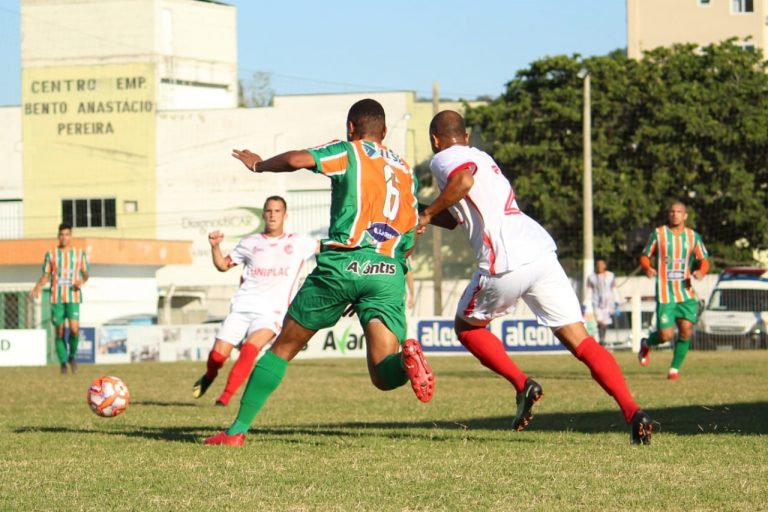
<point x="678" y="253"/>
<point x="362" y="262"/>
<point x="66" y="268"/>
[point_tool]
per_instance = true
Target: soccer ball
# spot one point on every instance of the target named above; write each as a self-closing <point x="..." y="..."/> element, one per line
<point x="108" y="396"/>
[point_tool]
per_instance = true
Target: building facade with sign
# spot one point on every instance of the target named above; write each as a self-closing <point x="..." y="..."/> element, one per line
<point x="126" y="129"/>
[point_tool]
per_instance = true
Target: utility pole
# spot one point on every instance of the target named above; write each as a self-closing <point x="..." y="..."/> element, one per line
<point x="589" y="263"/>
<point x="437" y="233"/>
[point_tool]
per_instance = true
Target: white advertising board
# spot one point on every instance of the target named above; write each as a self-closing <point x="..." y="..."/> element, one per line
<point x="22" y="347"/>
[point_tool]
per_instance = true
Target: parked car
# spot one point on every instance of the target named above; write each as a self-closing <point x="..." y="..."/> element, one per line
<point x="737" y="311"/>
<point x="619" y="333"/>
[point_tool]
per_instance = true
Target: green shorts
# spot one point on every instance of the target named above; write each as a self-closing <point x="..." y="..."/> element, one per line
<point x="667" y="314"/>
<point x="374" y="284"/>
<point x="62" y="310"/>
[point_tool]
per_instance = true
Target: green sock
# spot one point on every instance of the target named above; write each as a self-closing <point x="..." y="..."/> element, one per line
<point x="61" y="350"/>
<point x="74" y="341"/>
<point x="391" y="372"/>
<point x="265" y="379"/>
<point x="681" y="350"/>
<point x="653" y="339"/>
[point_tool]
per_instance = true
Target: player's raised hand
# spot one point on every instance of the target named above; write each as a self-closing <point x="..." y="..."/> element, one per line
<point x="248" y="158"/>
<point x="215" y="238"/>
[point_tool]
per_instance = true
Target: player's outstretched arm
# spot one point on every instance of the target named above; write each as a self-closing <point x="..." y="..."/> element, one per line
<point x="457" y="188"/>
<point x="285" y="162"/>
<point x="219" y="261"/>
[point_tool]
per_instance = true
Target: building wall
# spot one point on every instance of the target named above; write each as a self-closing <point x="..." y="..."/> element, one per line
<point x="201" y="187"/>
<point x="11" y="176"/>
<point x="195" y="72"/>
<point x="654" y="23"/>
<point x="89" y="132"/>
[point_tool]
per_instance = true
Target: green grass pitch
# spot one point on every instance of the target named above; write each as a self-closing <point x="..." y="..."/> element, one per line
<point x="328" y="440"/>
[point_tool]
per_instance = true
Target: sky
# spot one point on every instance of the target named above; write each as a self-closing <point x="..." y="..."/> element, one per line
<point x="471" y="48"/>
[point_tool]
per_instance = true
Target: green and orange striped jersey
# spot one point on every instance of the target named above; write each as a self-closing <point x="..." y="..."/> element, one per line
<point x="64" y="267"/>
<point x="373" y="197"/>
<point x="675" y="256"/>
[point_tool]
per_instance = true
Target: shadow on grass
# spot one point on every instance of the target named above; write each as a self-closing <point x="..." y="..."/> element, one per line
<point x="740" y="419"/>
<point x="178" y="434"/>
<point x="157" y="403"/>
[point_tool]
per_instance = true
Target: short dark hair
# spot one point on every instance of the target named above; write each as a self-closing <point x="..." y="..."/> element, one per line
<point x="65" y="225"/>
<point x="367" y="116"/>
<point x="448" y="123"/>
<point x="275" y="198"/>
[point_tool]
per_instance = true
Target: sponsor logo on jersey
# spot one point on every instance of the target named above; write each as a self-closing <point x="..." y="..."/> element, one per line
<point x="269" y="272"/>
<point x="382" y="232"/>
<point x="528" y="336"/>
<point x="367" y="268"/>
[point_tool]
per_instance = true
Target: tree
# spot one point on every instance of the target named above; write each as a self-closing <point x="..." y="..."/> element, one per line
<point x="257" y="91"/>
<point x="683" y="123"/>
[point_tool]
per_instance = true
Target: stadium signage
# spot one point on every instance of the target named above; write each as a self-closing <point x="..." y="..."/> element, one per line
<point x="438" y="336"/>
<point x="347" y="342"/>
<point x="65" y="92"/>
<point x="23" y="347"/>
<point x="528" y="336"/>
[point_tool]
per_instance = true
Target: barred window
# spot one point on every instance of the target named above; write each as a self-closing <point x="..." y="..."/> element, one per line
<point x="742" y="6"/>
<point x="89" y="213"/>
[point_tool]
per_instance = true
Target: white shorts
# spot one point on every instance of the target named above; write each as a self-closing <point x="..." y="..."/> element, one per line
<point x="239" y="325"/>
<point x="542" y="284"/>
<point x="603" y="315"/>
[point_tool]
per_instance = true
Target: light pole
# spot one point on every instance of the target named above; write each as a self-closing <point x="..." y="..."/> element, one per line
<point x="587" y="228"/>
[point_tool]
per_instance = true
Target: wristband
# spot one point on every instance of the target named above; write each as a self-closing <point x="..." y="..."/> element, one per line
<point x="253" y="167"/>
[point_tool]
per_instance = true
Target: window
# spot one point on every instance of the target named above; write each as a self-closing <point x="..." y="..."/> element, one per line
<point x="89" y="213"/>
<point x="742" y="6"/>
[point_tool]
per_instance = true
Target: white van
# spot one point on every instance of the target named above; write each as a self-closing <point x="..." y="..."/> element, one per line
<point x="737" y="312"/>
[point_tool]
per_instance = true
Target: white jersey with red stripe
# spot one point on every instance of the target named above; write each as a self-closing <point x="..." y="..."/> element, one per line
<point x="503" y="237"/>
<point x="272" y="266"/>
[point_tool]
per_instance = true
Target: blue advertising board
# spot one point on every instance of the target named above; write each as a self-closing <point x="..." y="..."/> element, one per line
<point x="437" y="335"/>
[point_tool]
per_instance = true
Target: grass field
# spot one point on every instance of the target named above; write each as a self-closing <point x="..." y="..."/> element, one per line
<point x="328" y="440"/>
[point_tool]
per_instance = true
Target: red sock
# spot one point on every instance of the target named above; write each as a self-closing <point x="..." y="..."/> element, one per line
<point x="490" y="351"/>
<point x="607" y="373"/>
<point x="215" y="362"/>
<point x="241" y="370"/>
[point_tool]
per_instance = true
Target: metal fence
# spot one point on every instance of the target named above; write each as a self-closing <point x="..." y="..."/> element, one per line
<point x="18" y="310"/>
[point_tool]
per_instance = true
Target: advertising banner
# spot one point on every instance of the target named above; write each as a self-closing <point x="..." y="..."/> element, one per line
<point x="23" y="347"/>
<point x="86" y="348"/>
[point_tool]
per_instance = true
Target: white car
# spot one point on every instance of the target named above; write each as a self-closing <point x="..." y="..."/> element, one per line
<point x="737" y="312"/>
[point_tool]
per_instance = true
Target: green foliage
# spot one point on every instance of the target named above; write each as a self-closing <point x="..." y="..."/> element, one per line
<point x="683" y="123"/>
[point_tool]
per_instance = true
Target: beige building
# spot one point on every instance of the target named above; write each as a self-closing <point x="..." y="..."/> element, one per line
<point x="654" y="23"/>
<point x="126" y="128"/>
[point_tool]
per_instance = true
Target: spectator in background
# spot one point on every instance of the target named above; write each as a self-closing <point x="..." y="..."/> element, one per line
<point x="602" y="284"/>
<point x="66" y="268"/>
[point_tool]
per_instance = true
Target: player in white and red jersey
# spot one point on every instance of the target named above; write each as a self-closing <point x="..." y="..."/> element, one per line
<point x="516" y="260"/>
<point x="272" y="263"/>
